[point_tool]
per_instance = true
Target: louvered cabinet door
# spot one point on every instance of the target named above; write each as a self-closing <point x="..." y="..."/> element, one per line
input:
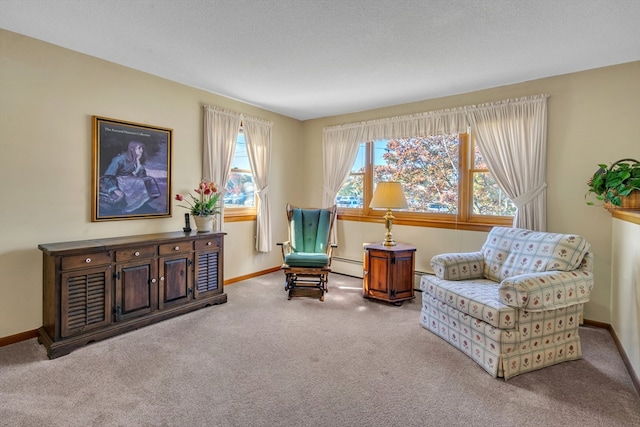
<point x="208" y="267"/>
<point x="85" y="300"/>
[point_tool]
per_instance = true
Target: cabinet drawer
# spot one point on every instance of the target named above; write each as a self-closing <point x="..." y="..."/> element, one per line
<point x="176" y="247"/>
<point x="87" y="260"/>
<point x="212" y="243"/>
<point x="135" y="253"/>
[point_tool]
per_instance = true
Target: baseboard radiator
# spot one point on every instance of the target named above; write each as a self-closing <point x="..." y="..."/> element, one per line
<point x="351" y="267"/>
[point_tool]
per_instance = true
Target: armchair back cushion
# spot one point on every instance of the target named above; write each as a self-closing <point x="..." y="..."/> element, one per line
<point x="510" y="252"/>
<point x="309" y="231"/>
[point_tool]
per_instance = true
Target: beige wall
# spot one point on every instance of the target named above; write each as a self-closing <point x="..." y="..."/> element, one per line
<point x="48" y="95"/>
<point x="625" y="296"/>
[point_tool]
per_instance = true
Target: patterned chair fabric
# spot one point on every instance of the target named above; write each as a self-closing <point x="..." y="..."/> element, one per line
<point x="515" y="305"/>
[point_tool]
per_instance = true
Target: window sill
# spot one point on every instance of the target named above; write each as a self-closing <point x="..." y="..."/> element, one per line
<point x="239" y="217"/>
<point x="486" y="224"/>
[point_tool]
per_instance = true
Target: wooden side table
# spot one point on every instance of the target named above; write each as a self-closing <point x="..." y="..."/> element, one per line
<point x="389" y="272"/>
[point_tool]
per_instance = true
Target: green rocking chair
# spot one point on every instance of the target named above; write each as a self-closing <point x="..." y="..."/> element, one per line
<point x="307" y="254"/>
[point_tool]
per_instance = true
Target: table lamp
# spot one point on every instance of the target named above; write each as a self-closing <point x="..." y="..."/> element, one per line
<point x="388" y="195"/>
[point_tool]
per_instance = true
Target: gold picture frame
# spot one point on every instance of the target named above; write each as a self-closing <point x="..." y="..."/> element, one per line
<point x="131" y="173"/>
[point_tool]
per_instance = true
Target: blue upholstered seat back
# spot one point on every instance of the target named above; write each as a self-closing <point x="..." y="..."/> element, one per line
<point x="310" y="230"/>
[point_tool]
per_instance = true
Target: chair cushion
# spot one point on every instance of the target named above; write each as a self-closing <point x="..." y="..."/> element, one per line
<point x="513" y="251"/>
<point x="306" y="259"/>
<point x="477" y="298"/>
<point x="310" y="230"/>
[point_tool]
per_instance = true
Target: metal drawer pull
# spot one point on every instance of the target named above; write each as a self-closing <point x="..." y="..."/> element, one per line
<point x="137" y="253"/>
<point x="208" y="243"/>
<point x="88" y="260"/>
<point x="177" y="248"/>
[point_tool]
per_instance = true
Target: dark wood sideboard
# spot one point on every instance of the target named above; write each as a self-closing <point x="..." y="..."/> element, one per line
<point x="95" y="289"/>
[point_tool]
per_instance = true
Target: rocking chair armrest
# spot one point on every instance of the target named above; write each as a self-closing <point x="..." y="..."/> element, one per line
<point x="330" y="251"/>
<point x="286" y="248"/>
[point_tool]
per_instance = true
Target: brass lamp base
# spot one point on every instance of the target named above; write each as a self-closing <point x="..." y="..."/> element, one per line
<point x="388" y="223"/>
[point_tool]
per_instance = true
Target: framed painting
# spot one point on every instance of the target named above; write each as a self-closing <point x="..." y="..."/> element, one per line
<point x="131" y="174"/>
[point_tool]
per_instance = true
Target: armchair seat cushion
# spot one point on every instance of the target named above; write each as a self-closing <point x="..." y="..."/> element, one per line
<point x="306" y="259"/>
<point x="477" y="298"/>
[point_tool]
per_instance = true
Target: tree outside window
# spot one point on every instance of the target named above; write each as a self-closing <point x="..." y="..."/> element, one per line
<point x="444" y="178"/>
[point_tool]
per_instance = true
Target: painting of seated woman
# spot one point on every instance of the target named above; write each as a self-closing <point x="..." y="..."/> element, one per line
<point x="133" y="175"/>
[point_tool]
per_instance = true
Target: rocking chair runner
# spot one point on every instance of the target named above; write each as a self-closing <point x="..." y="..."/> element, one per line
<point x="307" y="254"/>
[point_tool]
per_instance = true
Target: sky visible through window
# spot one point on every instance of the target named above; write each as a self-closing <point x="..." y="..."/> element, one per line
<point x="241" y="159"/>
<point x="379" y="148"/>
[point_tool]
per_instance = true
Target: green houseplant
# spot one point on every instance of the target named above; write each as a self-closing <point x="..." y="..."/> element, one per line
<point x="617" y="185"/>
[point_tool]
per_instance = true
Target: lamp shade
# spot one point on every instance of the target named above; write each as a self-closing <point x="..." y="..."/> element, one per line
<point x="388" y="195"/>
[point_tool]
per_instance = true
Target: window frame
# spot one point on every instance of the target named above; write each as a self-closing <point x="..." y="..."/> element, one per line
<point x="465" y="219"/>
<point x="239" y="214"/>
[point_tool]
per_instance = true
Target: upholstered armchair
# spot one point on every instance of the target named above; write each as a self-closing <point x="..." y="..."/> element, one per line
<point x="515" y="305"/>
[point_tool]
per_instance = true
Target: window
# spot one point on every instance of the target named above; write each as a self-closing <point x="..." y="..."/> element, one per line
<point x="487" y="197"/>
<point x="240" y="196"/>
<point x="444" y="177"/>
<point x="351" y="195"/>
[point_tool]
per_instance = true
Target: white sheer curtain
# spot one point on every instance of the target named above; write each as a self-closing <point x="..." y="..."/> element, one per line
<point x="220" y="133"/>
<point x="339" y="150"/>
<point x="257" y="135"/>
<point x="512" y="136"/>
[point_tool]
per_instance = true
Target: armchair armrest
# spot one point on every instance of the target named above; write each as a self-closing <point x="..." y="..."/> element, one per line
<point x="547" y="290"/>
<point x="458" y="266"/>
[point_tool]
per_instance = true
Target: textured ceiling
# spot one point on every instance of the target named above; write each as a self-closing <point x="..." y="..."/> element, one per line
<point x="307" y="59"/>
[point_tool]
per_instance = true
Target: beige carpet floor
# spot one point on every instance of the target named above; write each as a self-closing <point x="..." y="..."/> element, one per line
<point x="261" y="360"/>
